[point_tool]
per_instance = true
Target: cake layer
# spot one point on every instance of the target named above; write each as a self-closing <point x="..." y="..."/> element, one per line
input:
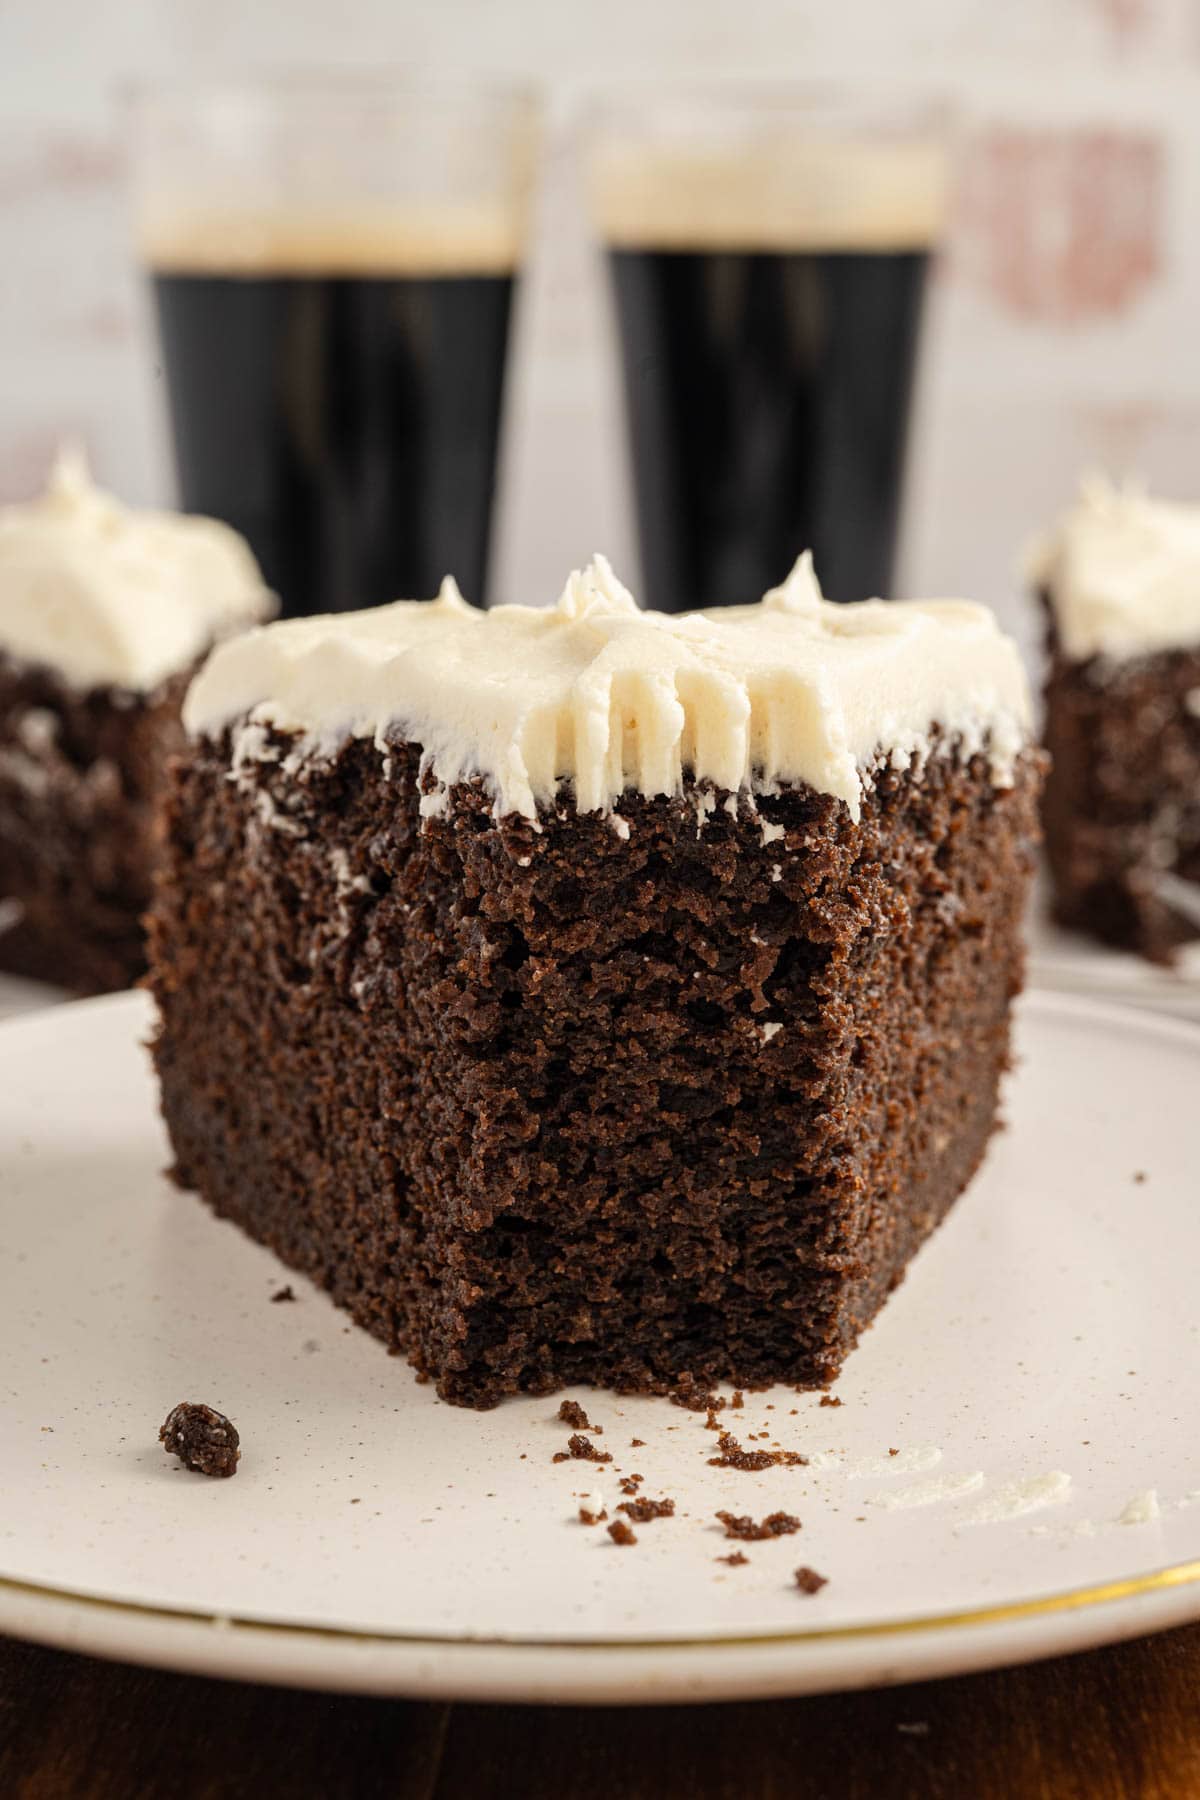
<point x="540" y="1102"/>
<point x="80" y="777"/>
<point x="1122" y="800"/>
<point x="1121" y="574"/>
<point x="108" y="596"/>
<point x="598" y="694"/>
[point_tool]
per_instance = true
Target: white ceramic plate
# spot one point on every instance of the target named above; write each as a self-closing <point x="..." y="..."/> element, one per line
<point x="376" y="1539"/>
<point x="1071" y="963"/>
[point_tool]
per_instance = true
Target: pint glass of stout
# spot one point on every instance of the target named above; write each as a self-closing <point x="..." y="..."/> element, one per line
<point x="769" y="255"/>
<point x="333" y="270"/>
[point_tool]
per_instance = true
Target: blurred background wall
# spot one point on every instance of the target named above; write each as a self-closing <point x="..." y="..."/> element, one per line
<point x="1066" y="327"/>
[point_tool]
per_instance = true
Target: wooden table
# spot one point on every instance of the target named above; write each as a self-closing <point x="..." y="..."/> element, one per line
<point x="1115" y="1723"/>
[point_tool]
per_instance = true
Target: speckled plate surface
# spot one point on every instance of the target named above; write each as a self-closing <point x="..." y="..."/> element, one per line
<point x="1036" y="1378"/>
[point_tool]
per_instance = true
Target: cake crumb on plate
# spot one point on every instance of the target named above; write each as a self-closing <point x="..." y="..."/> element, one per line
<point x="203" y="1439"/>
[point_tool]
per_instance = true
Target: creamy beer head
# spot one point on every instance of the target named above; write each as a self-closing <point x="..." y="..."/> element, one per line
<point x="782" y="191"/>
<point x="181" y="238"/>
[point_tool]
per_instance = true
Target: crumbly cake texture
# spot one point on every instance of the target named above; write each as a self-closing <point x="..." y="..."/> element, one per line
<point x="80" y="777"/>
<point x="1122" y="799"/>
<point x="580" y="1098"/>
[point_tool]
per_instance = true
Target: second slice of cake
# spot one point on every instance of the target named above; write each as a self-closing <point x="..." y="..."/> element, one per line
<point x="585" y="994"/>
<point x="106" y="612"/>
<point x="1120" y="581"/>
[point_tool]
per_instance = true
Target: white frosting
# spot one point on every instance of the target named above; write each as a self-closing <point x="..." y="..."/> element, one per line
<point x="794" y="689"/>
<point x="112" y="597"/>
<point x="1122" y="573"/>
<point x="1013" y="1499"/>
<point x="1143" y="1509"/>
<point x="935" y="1491"/>
<point x="914" y="1461"/>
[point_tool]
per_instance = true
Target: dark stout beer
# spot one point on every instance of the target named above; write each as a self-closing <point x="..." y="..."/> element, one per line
<point x="768" y="400"/>
<point x="769" y="255"/>
<point x="345" y="421"/>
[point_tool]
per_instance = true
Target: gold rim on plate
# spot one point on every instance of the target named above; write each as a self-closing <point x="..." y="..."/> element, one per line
<point x="1072" y="1600"/>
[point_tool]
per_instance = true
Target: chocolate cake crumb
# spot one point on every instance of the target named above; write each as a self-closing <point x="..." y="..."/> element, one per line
<point x="202" y="1438"/>
<point x="631" y="1483"/>
<point x="637" y="1443"/>
<point x="750" y="1531"/>
<point x="809" y="1582"/>
<point x="738" y="1401"/>
<point x="582" y="1448"/>
<point x="893" y="1453"/>
<point x="621" y="1533"/>
<point x="1139" y="1175"/>
<point x="696" y="1398"/>
<point x="587" y="1517"/>
<point x="735" y="1559"/>
<point x="711" y="1423"/>
<point x="641" y="1511"/>
<point x="571" y="1413"/>
<point x="734" y="1457"/>
<point x="830" y="1400"/>
<point x="283" y="1293"/>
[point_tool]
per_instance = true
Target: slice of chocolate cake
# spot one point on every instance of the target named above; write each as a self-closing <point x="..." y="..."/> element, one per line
<point x="1120" y="580"/>
<point x="104" y="615"/>
<point x="591" y="995"/>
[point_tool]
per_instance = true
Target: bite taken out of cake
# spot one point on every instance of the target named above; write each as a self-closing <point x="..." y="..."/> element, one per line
<point x="1119" y="578"/>
<point x="584" y="994"/>
<point x="105" y="614"/>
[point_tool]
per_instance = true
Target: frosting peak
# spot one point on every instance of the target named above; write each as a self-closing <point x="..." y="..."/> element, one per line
<point x="69" y="486"/>
<point x="598" y="693"/>
<point x="800" y="593"/>
<point x="1122" y="573"/>
<point x="595" y="590"/>
<point x="109" y="596"/>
